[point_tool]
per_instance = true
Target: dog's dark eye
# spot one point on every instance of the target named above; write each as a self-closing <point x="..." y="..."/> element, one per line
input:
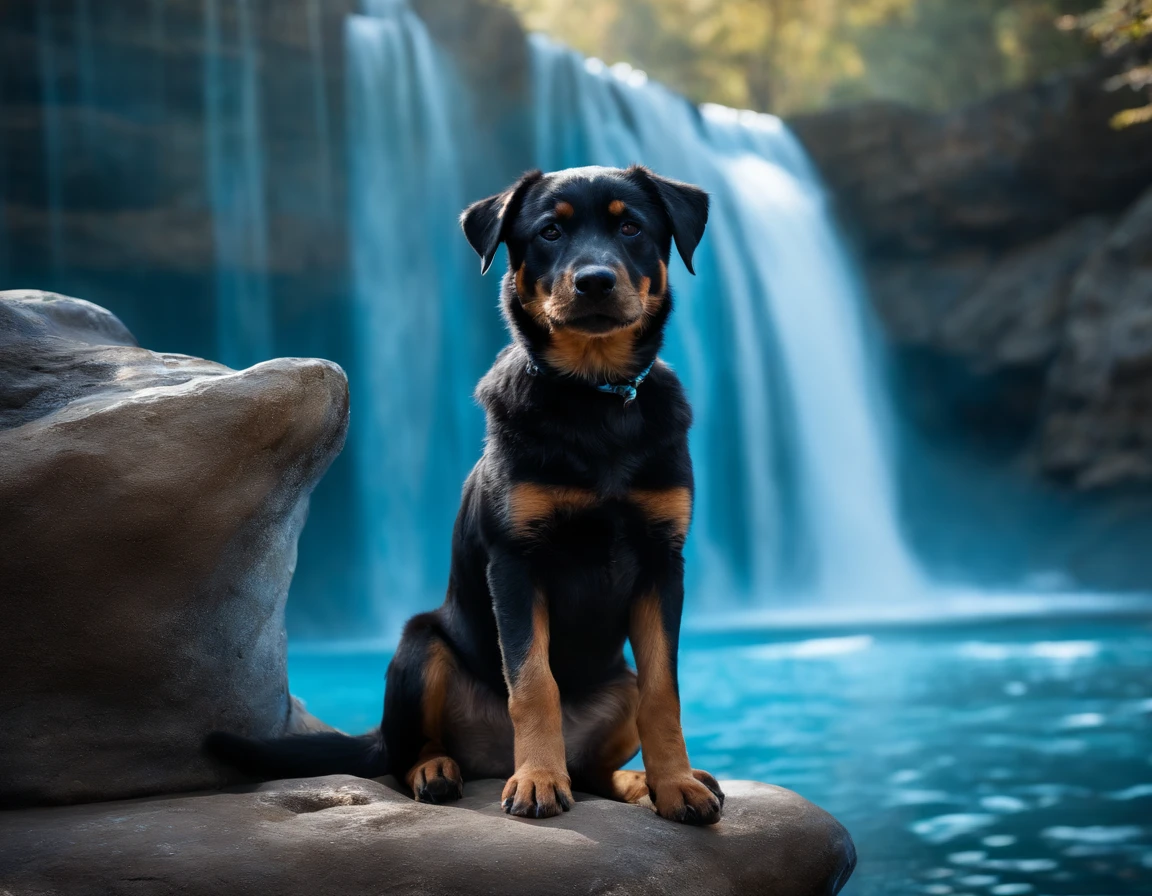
<point x="551" y="232"/>
<point x="629" y="229"/>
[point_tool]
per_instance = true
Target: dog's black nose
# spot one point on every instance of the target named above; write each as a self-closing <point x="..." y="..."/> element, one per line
<point x="595" y="281"/>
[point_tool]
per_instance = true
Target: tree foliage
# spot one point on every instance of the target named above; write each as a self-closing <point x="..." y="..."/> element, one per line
<point x="1115" y="25"/>
<point x="787" y="56"/>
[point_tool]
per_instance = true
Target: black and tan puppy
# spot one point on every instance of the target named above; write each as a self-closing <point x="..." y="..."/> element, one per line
<point x="570" y="530"/>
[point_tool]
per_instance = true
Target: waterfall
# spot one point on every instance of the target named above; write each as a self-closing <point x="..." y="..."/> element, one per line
<point x="768" y="338"/>
<point x="416" y="430"/>
<point x="235" y="160"/>
<point x="794" y="492"/>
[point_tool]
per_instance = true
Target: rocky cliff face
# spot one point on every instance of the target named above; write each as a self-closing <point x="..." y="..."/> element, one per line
<point x="1008" y="248"/>
<point x="1097" y="423"/>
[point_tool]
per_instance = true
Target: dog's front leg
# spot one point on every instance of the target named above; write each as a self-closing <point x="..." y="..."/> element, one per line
<point x="678" y="791"/>
<point x="539" y="786"/>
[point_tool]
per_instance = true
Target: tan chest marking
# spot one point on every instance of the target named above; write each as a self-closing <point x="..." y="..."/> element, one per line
<point x="593" y="357"/>
<point x="667" y="506"/>
<point x="530" y="503"/>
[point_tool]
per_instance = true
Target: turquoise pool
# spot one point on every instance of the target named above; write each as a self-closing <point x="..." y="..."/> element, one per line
<point x="1009" y="759"/>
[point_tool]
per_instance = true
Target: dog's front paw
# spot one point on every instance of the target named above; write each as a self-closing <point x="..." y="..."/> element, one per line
<point x="537" y="793"/>
<point x="689" y="799"/>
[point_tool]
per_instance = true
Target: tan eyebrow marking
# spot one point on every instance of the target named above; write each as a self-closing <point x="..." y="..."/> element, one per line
<point x="564" y="209"/>
<point x="616" y="206"/>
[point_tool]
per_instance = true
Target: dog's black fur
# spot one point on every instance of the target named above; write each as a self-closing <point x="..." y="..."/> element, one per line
<point x="570" y="530"/>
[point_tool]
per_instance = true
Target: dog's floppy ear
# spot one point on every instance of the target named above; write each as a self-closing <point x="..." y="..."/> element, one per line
<point x="485" y="222"/>
<point x="686" y="207"/>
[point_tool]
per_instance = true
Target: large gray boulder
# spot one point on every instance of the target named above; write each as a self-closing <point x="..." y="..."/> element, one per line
<point x="353" y="836"/>
<point x="149" y="510"/>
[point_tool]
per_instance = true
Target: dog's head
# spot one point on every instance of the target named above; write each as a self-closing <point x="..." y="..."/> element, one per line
<point x="588" y="256"/>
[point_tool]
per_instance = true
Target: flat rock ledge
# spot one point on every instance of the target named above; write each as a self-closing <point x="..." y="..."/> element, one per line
<point x="351" y="836"/>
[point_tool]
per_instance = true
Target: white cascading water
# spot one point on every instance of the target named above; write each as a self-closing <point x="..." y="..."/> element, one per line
<point x="773" y="258"/>
<point x="794" y="492"/>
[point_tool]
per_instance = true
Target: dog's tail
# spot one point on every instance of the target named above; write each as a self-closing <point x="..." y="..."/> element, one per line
<point x="301" y="755"/>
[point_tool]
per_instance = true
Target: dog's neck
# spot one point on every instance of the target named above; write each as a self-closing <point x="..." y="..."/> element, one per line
<point x="626" y="390"/>
<point x="614" y="359"/>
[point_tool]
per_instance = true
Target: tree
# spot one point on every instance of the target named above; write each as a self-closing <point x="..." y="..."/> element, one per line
<point x="1114" y="26"/>
<point x="786" y="56"/>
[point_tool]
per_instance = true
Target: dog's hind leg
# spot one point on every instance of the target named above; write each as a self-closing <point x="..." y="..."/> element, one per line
<point x="604" y="736"/>
<point x="601" y="736"/>
<point x="415" y="704"/>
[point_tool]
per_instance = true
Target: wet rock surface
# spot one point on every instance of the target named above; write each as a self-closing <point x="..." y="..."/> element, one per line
<point x="354" y="836"/>
<point x="152" y="504"/>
